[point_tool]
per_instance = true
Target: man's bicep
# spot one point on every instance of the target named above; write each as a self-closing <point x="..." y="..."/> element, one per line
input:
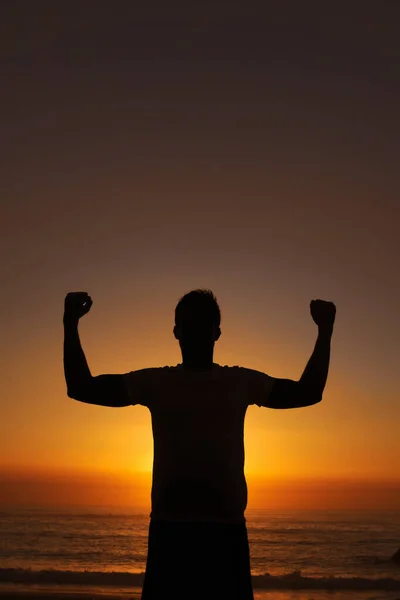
<point x="284" y="394"/>
<point x="287" y="393"/>
<point x="104" y="390"/>
<point x="272" y="392"/>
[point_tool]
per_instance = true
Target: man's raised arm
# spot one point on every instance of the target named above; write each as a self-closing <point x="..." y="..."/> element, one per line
<point x="104" y="390"/>
<point x="308" y="390"/>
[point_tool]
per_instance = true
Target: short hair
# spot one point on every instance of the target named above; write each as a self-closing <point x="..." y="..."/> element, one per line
<point x="202" y="299"/>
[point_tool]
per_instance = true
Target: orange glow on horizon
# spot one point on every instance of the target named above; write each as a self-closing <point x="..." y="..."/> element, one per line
<point x="38" y="486"/>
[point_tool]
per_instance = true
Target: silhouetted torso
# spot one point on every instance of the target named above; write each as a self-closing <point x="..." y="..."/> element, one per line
<point x="198" y="423"/>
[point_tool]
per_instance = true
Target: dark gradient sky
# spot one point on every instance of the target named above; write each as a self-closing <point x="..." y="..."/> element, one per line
<point x="148" y="150"/>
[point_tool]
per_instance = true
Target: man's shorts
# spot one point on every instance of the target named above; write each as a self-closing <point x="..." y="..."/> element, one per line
<point x="194" y="561"/>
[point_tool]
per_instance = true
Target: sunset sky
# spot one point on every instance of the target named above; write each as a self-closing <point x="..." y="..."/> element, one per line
<point x="152" y="150"/>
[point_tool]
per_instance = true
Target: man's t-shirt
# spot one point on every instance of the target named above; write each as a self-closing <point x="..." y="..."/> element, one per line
<point x="198" y="424"/>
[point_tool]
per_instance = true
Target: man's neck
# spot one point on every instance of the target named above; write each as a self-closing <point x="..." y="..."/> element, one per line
<point x="197" y="363"/>
<point x="197" y="358"/>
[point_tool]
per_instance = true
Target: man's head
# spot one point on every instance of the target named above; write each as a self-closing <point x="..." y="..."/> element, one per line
<point x="197" y="319"/>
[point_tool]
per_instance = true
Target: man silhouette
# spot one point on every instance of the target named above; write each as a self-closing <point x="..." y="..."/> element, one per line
<point x="197" y="542"/>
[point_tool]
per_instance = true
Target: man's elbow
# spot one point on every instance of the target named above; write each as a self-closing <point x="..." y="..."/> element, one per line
<point x="308" y="396"/>
<point x="312" y="400"/>
<point x="83" y="393"/>
<point x="77" y="396"/>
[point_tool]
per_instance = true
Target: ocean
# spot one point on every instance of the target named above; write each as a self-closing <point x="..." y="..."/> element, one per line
<point x="294" y="554"/>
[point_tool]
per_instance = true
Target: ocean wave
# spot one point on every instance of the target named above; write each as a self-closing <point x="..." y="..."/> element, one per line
<point x="114" y="578"/>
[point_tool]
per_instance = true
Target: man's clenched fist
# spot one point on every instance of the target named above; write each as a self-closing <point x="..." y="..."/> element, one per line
<point x="76" y="305"/>
<point x="323" y="313"/>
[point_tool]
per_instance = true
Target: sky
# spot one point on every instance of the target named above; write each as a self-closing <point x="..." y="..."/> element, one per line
<point x="155" y="149"/>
